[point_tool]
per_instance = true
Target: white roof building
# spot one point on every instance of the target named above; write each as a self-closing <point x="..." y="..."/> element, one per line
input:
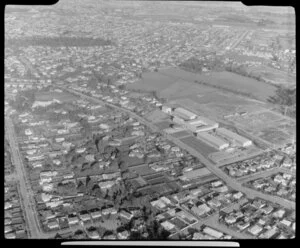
<point x="185" y="114"/>
<point x="213" y="141"/>
<point x="212" y="232"/>
<point x="255" y="230"/>
<point x="233" y="136"/>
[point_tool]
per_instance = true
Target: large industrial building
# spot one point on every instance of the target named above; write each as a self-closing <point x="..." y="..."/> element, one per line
<point x="184" y="114"/>
<point x="193" y="174"/>
<point x="213" y="141"/>
<point x="201" y="124"/>
<point x="239" y="140"/>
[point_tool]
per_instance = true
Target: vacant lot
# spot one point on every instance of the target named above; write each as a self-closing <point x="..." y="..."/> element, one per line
<point x="198" y="145"/>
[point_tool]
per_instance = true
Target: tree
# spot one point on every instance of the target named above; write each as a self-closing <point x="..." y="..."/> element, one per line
<point x="58" y="236"/>
<point x="121" y="87"/>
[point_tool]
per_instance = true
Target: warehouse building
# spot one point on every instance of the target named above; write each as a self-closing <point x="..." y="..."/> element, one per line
<point x="201" y="124"/>
<point x="190" y="175"/>
<point x="184" y="114"/>
<point x="213" y="141"/>
<point x="166" y="109"/>
<point x="212" y="232"/>
<point x="178" y="120"/>
<point x="239" y="140"/>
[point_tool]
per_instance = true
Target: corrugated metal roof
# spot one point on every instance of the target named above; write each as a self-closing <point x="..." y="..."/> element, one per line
<point x="231" y="135"/>
<point x="213" y="139"/>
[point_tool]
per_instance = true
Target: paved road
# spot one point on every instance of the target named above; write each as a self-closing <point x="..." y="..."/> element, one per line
<point x="239" y="39"/>
<point x="261" y="174"/>
<point x="213" y="221"/>
<point x="25" y="192"/>
<point x="214" y="169"/>
<point x="28" y="64"/>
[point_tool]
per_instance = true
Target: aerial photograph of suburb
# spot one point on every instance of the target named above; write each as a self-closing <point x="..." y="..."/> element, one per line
<point x="149" y="120"/>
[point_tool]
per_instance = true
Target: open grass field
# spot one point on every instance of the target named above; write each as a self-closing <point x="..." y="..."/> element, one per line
<point x="174" y="83"/>
<point x="232" y="81"/>
<point x="152" y="81"/>
<point x="48" y="96"/>
<point x="218" y="98"/>
<point x="184" y="89"/>
<point x="198" y="145"/>
<point x="275" y="76"/>
<point x="225" y="79"/>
